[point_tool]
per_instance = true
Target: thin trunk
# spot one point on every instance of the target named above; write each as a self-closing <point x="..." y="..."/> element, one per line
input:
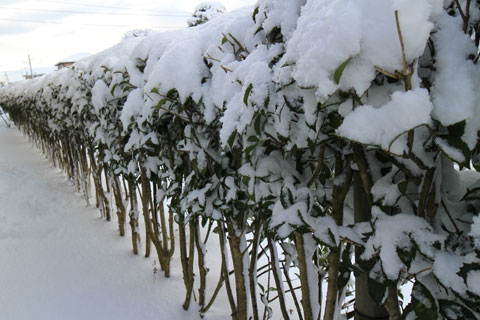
<point x="67" y="151"/>
<point x="145" y="197"/>
<point x="365" y="306"/>
<point x="320" y="276"/>
<point x="215" y="293"/>
<point x="125" y="188"/>
<point x="277" y="276"/>
<point x="391" y="304"/>
<point x="292" y="292"/>
<point x="163" y="228"/>
<point x="152" y="232"/>
<point x="166" y="245"/>
<point x="339" y="194"/>
<point x="103" y="196"/>
<point x="252" y="271"/>
<point x="101" y="199"/>
<point x="134" y="214"/>
<point x="85" y="174"/>
<point x="121" y="211"/>
<point x="183" y="247"/>
<point x="104" y="200"/>
<point x="236" y="249"/>
<point x="201" y="266"/>
<point x="190" y="263"/>
<point x="302" y="265"/>
<point x="226" y="275"/>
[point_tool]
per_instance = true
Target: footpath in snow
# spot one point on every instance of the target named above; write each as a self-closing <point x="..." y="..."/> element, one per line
<point x="59" y="260"/>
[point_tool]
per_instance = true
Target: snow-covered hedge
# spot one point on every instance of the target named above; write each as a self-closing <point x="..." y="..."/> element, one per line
<point x="329" y="127"/>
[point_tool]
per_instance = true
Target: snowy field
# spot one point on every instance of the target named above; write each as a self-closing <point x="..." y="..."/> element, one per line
<point x="59" y="260"/>
<point x="281" y="124"/>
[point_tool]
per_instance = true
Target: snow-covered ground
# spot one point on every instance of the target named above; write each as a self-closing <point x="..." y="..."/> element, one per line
<point x="59" y="260"/>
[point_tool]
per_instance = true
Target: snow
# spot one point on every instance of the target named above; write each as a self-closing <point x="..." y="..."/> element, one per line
<point x="184" y="59"/>
<point x="454" y="73"/>
<point x="473" y="280"/>
<point x="406" y="111"/>
<point x="370" y="38"/>
<point x="446" y="267"/>
<point x="320" y="33"/>
<point x="452" y="153"/>
<point x="285" y="218"/>
<point x="74" y="57"/>
<point x="132" y="107"/>
<point x="61" y="261"/>
<point x="206" y="11"/>
<point x="475" y="232"/>
<point x="311" y="247"/>
<point x="386" y="190"/>
<point x="281" y="13"/>
<point x="281" y="67"/>
<point x="392" y="232"/>
<point x="100" y="95"/>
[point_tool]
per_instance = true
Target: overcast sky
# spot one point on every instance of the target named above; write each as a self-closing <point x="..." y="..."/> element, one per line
<point x="50" y="30"/>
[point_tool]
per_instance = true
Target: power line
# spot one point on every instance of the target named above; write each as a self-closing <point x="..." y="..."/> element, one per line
<point x="100" y="13"/>
<point x="116" y="8"/>
<point x="85" y="24"/>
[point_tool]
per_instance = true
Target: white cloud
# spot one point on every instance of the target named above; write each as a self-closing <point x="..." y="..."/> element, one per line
<point x="49" y="36"/>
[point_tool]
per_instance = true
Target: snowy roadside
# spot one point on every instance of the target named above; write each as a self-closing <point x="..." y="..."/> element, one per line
<point x="59" y="260"/>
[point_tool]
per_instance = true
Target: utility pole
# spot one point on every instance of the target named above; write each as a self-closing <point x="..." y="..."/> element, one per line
<point x="30" y="63"/>
<point x="6" y="76"/>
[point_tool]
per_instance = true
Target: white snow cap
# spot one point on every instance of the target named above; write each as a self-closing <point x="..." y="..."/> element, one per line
<point x="323" y="40"/>
<point x="384" y="126"/>
<point x="206" y="11"/>
<point x="74" y="58"/>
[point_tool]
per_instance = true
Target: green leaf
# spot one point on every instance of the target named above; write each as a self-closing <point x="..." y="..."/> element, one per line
<point x="113" y="88"/>
<point x="406" y="255"/>
<point x="456" y="142"/>
<point x="424" y="304"/>
<point x="335" y="120"/>
<point x="452" y="310"/>
<point x="466" y="268"/>
<point x="248" y="150"/>
<point x="240" y="206"/>
<point x="247" y="93"/>
<point x="257" y="124"/>
<point x="204" y="221"/>
<point x="258" y="30"/>
<point x="339" y="71"/>
<point x="457" y="129"/>
<point x="291" y="198"/>
<point x="261" y="287"/>
<point x="255" y="12"/>
<point x="172" y="94"/>
<point x="161" y="103"/>
<point x="471" y="194"/>
<point x="402" y="186"/>
<point x="283" y="199"/>
<point x="332" y="239"/>
<point x="275" y="35"/>
<point x="231" y="139"/>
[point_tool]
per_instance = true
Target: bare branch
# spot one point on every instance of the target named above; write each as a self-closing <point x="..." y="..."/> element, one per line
<point x="402" y="45"/>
